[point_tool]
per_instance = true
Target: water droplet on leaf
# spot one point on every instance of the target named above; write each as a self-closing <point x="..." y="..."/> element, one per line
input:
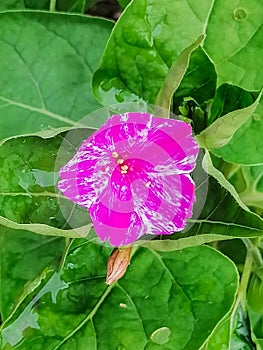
<point x="240" y="14"/>
<point x="161" y="335"/>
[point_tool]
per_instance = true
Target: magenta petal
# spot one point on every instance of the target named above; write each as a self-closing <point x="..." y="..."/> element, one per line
<point x="114" y="221"/>
<point x="168" y="204"/>
<point x="85" y="176"/>
<point x="138" y="134"/>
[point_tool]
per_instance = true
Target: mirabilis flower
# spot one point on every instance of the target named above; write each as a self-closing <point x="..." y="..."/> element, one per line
<point x="133" y="176"/>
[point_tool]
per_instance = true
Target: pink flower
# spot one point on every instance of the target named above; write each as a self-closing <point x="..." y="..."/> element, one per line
<point x="133" y="176"/>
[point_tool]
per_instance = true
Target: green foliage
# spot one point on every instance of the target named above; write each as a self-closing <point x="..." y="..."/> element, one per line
<point x="202" y="60"/>
<point x="32" y="254"/>
<point x="194" y="288"/>
<point x="147" y="33"/>
<point x="46" y="75"/>
<point x="28" y="177"/>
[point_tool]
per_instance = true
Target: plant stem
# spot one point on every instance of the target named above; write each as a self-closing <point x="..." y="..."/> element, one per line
<point x="254" y="251"/>
<point x="245" y="278"/>
<point x="52" y="5"/>
<point x="68" y="243"/>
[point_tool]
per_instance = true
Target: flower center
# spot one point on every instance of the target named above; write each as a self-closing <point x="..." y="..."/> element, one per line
<point x="119" y="160"/>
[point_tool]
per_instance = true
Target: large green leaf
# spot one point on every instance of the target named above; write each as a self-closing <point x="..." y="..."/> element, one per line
<point x="230" y="136"/>
<point x="149" y="37"/>
<point x="165" y="301"/>
<point x="234" y="32"/>
<point x="23" y="256"/>
<point x="46" y="64"/>
<point x="28" y="175"/>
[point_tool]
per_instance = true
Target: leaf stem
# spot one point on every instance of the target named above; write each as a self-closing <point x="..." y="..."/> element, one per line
<point x="245" y="278"/>
<point x="254" y="251"/>
<point x="68" y="242"/>
<point x="52" y="5"/>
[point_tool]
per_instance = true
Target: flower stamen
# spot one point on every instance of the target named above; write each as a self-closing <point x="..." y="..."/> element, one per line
<point x="148" y="184"/>
<point x="115" y="155"/>
<point x="124" y="169"/>
<point x="120" y="161"/>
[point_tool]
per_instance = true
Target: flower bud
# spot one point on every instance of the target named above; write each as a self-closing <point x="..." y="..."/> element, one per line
<point x="117" y="264"/>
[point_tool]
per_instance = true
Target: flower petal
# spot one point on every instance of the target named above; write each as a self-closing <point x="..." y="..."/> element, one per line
<point x="85" y="176"/>
<point x="168" y="204"/>
<point x="163" y="142"/>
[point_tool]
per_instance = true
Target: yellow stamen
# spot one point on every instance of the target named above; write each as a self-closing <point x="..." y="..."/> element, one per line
<point x="115" y="155"/>
<point x="120" y="161"/>
<point x="124" y="169"/>
<point x="148" y="184"/>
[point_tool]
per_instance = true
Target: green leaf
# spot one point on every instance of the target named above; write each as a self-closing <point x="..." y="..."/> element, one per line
<point x="31" y="254"/>
<point x="74" y="5"/>
<point x="175" y="76"/>
<point x="249" y="183"/>
<point x="256" y="322"/>
<point x="11" y="4"/>
<point x="237" y="26"/>
<point x="229" y="98"/>
<point x="47" y="62"/>
<point x="193" y="288"/>
<point x="149" y="37"/>
<point x="37" y="5"/>
<point x="177" y="243"/>
<point x="222" y="131"/>
<point x="29" y="169"/>
<point x="233" y="333"/>
<point x="230" y="136"/>
<point x="199" y="81"/>
<point x="124" y="3"/>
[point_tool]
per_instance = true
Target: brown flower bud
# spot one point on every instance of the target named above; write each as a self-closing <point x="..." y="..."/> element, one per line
<point x="117" y="264"/>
